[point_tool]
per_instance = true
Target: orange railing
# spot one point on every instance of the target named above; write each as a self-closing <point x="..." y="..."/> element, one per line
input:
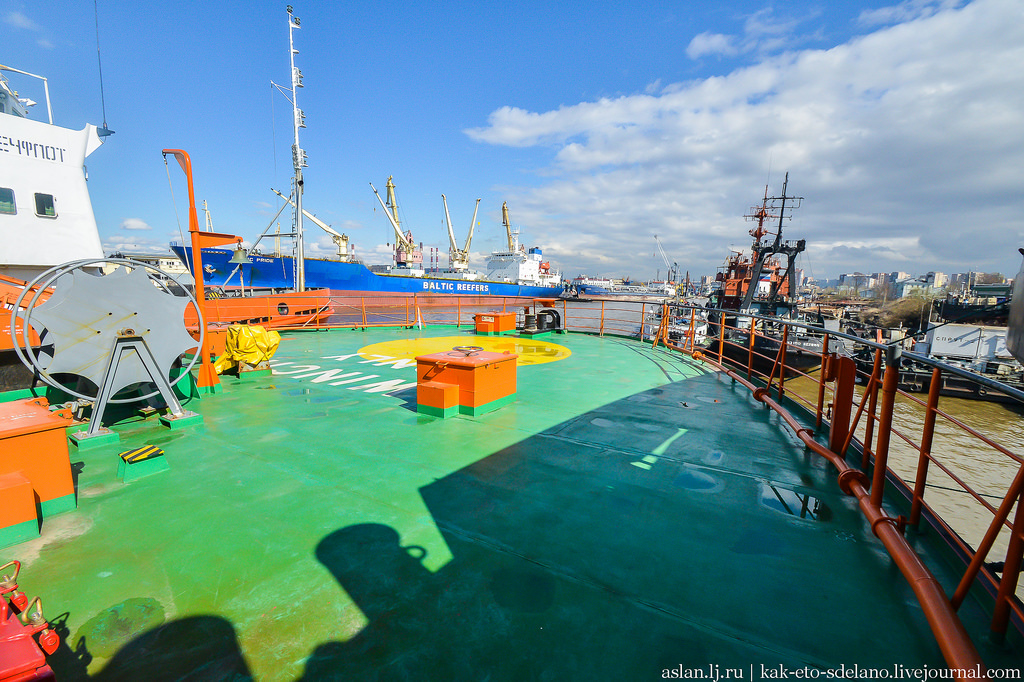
<point x="880" y="429"/>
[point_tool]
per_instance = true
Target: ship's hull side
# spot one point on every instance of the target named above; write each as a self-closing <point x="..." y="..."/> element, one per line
<point x="272" y="272"/>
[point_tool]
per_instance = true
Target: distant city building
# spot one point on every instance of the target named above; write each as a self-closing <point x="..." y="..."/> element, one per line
<point x="936" y="280"/>
<point x="897" y="276"/>
<point x="923" y="285"/>
<point x="856" y="281"/>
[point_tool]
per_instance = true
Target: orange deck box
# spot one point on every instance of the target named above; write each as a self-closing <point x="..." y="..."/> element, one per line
<point x="495" y="322"/>
<point x="485" y="380"/>
<point x="33" y="442"/>
<point x="18" y="520"/>
<point x="437" y="399"/>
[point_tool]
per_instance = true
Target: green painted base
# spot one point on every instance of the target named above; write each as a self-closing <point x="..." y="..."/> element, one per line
<point x="488" y="407"/>
<point x="19" y="532"/>
<point x="533" y="335"/>
<point x="58" y="505"/>
<point x="130" y="472"/>
<point x="479" y="333"/>
<point x="443" y="413"/>
<point x="246" y="374"/>
<point x="86" y="442"/>
<point x="210" y="390"/>
<point x="187" y="419"/>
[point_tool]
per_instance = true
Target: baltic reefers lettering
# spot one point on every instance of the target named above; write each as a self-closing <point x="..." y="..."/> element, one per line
<point x="456" y="287"/>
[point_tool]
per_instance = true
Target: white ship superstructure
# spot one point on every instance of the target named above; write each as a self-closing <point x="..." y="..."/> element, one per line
<point x="518" y="264"/>
<point x="46" y="216"/>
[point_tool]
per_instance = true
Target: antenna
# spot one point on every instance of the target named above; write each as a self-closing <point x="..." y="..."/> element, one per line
<point x="99" y="63"/>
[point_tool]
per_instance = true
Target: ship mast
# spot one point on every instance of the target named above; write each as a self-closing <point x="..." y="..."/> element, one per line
<point x="763" y="251"/>
<point x="298" y="156"/>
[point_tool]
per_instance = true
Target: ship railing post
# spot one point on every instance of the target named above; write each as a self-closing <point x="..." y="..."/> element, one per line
<point x="821" y="383"/>
<point x="408" y="322"/>
<point x="890" y="384"/>
<point x="458" y="312"/>
<point x="750" y="347"/>
<point x="602" y="320"/>
<point x="1011" y="572"/>
<point x="873" y="386"/>
<point x="926" y="446"/>
<point x="981" y="553"/>
<point x="693" y="329"/>
<point x="844" y="372"/>
<point x="721" y="336"/>
<point x="782" y="361"/>
<point x="362" y="304"/>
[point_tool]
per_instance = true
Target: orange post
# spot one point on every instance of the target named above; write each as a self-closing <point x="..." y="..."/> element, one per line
<point x="890" y="384"/>
<point x="926" y="446"/>
<point x="207" y="381"/>
<point x="872" y="391"/>
<point x="821" y="382"/>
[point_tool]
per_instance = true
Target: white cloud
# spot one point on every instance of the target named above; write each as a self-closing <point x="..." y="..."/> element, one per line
<point x="711" y="43"/>
<point x="763" y="33"/>
<point x="19" y="20"/>
<point x="908" y="144"/>
<point x="134" y="224"/>
<point x="905" y="11"/>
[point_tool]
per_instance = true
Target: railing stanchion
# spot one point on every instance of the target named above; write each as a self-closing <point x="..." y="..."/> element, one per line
<point x="750" y="347"/>
<point x="890" y="384"/>
<point x="989" y="539"/>
<point x="721" y="336"/>
<point x="926" y="446"/>
<point x="1011" y="572"/>
<point x="873" y="386"/>
<point x="821" y="383"/>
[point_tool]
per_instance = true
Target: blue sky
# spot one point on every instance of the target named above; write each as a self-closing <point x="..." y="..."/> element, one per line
<point x="901" y="125"/>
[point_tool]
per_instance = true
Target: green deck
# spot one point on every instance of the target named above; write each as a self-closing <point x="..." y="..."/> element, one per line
<point x="630" y="512"/>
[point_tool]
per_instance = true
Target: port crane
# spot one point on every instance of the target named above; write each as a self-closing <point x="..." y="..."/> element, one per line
<point x="459" y="257"/>
<point x="513" y="234"/>
<point x="405" y="250"/>
<point x="340" y="240"/>
<point x="672" y="272"/>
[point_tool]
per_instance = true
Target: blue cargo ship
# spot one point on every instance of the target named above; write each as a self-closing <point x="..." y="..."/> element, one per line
<point x="277" y="272"/>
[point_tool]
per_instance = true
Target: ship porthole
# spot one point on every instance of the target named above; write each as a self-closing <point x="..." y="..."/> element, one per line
<point x="282" y="308"/>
